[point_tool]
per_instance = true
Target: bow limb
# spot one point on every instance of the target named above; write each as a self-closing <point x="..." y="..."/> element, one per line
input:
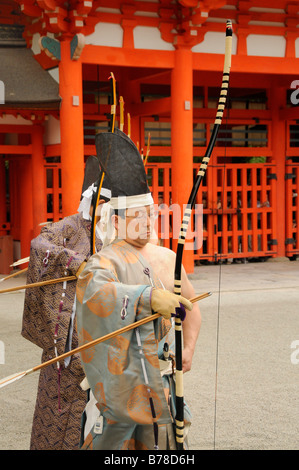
<point x="129" y="124"/>
<point x="121" y="113"/>
<point x="93" y="219"/>
<point x="179" y="419"/>
<point x="147" y="149"/>
<point x="97" y="198"/>
<point x="113" y="106"/>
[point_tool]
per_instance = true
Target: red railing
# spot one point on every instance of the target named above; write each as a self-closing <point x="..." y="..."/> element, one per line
<point x="235" y="212"/>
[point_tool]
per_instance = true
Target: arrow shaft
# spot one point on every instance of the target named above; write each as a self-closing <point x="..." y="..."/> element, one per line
<point x="112" y="335"/>
<point x="38" y="284"/>
<point x="90" y="344"/>
<point x="22" y="271"/>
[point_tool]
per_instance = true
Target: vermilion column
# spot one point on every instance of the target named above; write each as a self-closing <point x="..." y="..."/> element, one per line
<point x="14" y="199"/>
<point x="71" y="129"/>
<point x="2" y="198"/>
<point x="38" y="179"/>
<point x="277" y="102"/>
<point x="131" y="95"/>
<point x="25" y="205"/>
<point x="182" y="137"/>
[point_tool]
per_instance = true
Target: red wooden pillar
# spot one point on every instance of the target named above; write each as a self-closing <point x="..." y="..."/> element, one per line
<point x="71" y="129"/>
<point x="38" y="179"/>
<point x="13" y="199"/>
<point x="277" y="101"/>
<point x="131" y="94"/>
<point x="182" y="138"/>
<point x="2" y="197"/>
<point x="25" y="205"/>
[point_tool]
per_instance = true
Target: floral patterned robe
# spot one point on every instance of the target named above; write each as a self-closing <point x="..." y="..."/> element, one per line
<point x="124" y="372"/>
<point x="48" y="321"/>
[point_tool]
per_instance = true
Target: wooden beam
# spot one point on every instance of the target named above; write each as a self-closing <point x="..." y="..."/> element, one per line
<point x="53" y="150"/>
<point x="234" y="114"/>
<point x="16" y="129"/>
<point x="247" y="64"/>
<point x="16" y="149"/>
<point x="140" y="58"/>
<point x="151" y="108"/>
<point x="114" y="56"/>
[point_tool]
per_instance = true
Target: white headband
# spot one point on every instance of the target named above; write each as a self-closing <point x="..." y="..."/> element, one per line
<point x="126" y="202"/>
<point x="85" y="202"/>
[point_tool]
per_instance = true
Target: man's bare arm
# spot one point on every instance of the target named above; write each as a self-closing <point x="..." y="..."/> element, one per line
<point x="191" y="324"/>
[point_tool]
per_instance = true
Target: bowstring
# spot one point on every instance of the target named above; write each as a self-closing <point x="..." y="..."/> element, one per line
<point x="220" y="274"/>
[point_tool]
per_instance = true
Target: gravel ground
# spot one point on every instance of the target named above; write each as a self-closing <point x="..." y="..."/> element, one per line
<point x="243" y="387"/>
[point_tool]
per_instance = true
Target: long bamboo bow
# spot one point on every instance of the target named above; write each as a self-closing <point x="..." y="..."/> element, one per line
<point x="179" y="419"/>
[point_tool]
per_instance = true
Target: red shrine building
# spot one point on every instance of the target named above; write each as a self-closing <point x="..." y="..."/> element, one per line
<point x="167" y="58"/>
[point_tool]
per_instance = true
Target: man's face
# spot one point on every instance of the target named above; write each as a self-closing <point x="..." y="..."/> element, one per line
<point x="137" y="226"/>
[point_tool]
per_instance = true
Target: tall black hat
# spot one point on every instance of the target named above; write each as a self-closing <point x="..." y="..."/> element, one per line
<point x="91" y="172"/>
<point x="124" y="170"/>
<point x="92" y="177"/>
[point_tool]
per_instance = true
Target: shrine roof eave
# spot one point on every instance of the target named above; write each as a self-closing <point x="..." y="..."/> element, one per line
<point x="44" y="106"/>
<point x="25" y="82"/>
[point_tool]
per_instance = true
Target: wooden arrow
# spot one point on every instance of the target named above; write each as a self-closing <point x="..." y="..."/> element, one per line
<point x="22" y="271"/>
<point x="13" y="378"/>
<point x="39" y="284"/>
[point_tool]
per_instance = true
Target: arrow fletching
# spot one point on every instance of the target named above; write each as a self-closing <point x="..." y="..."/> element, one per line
<point x="12" y="378"/>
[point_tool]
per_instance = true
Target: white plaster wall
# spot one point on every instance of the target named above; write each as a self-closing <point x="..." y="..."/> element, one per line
<point x="214" y="43"/>
<point x="297" y="47"/>
<point x="147" y="37"/>
<point x="106" y="34"/>
<point x="266" y="45"/>
<point x="54" y="73"/>
<point x="35" y="45"/>
<point x="52" y="131"/>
